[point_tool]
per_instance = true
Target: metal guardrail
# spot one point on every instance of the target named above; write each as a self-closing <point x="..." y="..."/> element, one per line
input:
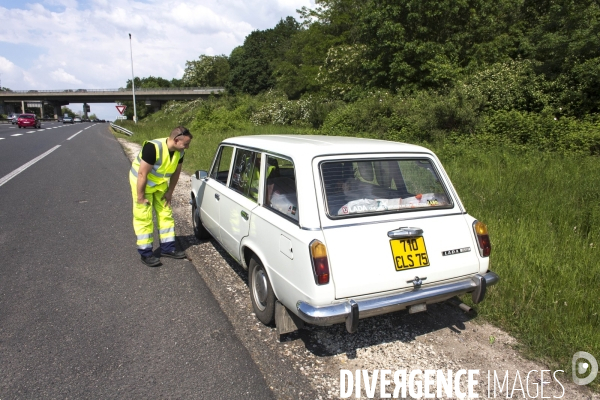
<point x="194" y="89"/>
<point x="120" y="128"/>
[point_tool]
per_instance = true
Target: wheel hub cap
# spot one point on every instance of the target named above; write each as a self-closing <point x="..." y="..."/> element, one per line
<point x="260" y="289"/>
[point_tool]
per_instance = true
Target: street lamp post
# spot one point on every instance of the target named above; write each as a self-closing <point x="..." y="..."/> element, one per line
<point x="132" y="82"/>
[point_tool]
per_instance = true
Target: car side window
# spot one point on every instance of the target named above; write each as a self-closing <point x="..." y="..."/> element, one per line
<point x="220" y="170"/>
<point x="280" y="188"/>
<point x="246" y="173"/>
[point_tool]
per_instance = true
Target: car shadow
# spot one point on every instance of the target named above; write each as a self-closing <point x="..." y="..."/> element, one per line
<point x="325" y="341"/>
<point x="399" y="326"/>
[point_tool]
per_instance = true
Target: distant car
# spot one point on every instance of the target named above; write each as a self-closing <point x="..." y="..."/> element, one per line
<point x="76" y="119"/>
<point x="67" y="120"/>
<point x="29" y="121"/>
<point x="12" y="117"/>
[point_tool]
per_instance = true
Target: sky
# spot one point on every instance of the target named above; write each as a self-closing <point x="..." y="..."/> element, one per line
<point x="84" y="44"/>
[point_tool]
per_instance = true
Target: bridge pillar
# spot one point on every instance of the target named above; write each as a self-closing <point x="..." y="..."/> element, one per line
<point x="155" y="104"/>
<point x="57" y="111"/>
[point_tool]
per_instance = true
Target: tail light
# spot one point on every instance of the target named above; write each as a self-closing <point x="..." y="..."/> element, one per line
<point x="318" y="254"/>
<point x="483" y="238"/>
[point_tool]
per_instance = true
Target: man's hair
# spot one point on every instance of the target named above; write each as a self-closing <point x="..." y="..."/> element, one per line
<point x="180" y="131"/>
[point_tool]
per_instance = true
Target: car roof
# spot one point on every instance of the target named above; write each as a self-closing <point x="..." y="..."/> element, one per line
<point x="316" y="145"/>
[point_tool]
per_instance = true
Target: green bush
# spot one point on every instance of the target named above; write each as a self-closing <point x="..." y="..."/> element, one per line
<point x="426" y="116"/>
<point x="512" y="85"/>
<point x="543" y="132"/>
<point x="223" y="115"/>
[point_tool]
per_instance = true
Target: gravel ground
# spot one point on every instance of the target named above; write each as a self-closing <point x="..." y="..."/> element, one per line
<point x="306" y="364"/>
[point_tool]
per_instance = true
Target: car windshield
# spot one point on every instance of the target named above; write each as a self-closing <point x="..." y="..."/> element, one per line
<point x="365" y="187"/>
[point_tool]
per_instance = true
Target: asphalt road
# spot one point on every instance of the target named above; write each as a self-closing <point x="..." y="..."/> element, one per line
<point x="80" y="316"/>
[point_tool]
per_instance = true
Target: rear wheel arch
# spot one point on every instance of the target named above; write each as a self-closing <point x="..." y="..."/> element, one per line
<point x="247" y="254"/>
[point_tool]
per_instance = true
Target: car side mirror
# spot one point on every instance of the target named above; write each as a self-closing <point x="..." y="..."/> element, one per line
<point x="200" y="174"/>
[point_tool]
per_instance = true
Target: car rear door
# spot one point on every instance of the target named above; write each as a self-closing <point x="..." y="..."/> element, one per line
<point x="390" y="222"/>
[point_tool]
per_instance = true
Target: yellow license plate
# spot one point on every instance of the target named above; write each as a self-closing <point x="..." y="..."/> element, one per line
<point x="409" y="253"/>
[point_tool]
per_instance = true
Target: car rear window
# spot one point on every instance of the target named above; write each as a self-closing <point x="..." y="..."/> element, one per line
<point x="366" y="187"/>
<point x="27" y="116"/>
<point x="281" y="195"/>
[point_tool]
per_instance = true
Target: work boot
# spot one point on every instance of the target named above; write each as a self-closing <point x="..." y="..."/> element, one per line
<point x="151" y="261"/>
<point x="173" y="254"/>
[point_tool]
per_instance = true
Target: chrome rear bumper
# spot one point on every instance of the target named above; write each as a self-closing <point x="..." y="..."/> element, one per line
<point x="351" y="310"/>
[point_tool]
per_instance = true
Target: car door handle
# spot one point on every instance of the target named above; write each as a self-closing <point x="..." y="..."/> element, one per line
<point x="244" y="215"/>
<point x="405" y="232"/>
<point x="217" y="196"/>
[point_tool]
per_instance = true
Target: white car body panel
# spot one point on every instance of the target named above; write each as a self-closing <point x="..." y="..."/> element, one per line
<point x="362" y="263"/>
<point x="210" y="210"/>
<point x="233" y="227"/>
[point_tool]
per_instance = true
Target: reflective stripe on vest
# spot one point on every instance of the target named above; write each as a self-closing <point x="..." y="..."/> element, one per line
<point x="163" y="168"/>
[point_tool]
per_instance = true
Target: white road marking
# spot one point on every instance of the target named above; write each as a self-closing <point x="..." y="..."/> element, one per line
<point x="17" y="134"/>
<point x="31" y="132"/>
<point x="23" y="167"/>
<point x="75" y="135"/>
<point x="1" y="138"/>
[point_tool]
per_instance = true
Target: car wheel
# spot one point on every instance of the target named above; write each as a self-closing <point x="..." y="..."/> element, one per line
<point x="199" y="230"/>
<point x="261" y="292"/>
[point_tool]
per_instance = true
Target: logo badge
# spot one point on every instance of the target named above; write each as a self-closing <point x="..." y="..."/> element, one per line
<point x="456" y="251"/>
<point x="582" y="367"/>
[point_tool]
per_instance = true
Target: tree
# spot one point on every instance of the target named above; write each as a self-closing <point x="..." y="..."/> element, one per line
<point x="565" y="42"/>
<point x="253" y="64"/>
<point x="68" y="111"/>
<point x="414" y="44"/>
<point x="150" y="82"/>
<point x="207" y="71"/>
<point x="297" y="73"/>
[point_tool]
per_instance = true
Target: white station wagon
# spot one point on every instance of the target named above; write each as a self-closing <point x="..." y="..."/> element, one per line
<point x="336" y="229"/>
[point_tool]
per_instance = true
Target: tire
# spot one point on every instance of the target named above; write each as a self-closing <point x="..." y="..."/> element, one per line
<point x="199" y="230"/>
<point x="261" y="292"/>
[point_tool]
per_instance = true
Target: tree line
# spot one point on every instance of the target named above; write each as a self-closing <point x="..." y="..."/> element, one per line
<point x="525" y="55"/>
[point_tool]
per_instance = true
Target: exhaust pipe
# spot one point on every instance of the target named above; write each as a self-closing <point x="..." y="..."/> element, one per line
<point x="455" y="301"/>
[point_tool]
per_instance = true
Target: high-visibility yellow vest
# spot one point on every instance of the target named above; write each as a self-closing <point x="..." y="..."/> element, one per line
<point x="164" y="166"/>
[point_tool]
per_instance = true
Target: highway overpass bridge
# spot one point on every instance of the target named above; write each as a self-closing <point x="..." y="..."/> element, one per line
<point x="16" y="100"/>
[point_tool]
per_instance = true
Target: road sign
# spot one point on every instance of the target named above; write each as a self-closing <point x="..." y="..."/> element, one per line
<point x="121" y="116"/>
<point x="121" y="109"/>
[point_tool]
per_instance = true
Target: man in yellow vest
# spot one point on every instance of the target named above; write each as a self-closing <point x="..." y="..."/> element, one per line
<point x="153" y="176"/>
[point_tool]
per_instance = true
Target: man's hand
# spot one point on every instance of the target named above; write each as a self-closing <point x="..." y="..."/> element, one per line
<point x="167" y="198"/>
<point x="143" y="200"/>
